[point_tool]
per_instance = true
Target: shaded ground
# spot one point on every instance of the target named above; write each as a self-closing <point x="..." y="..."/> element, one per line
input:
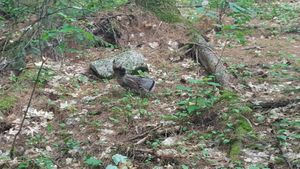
<point x="76" y="115"/>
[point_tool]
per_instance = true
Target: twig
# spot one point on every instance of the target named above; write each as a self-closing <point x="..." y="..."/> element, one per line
<point x="142" y="140"/>
<point x="26" y="111"/>
<point x="12" y="150"/>
<point x="113" y="30"/>
<point x="219" y="60"/>
<point x="286" y="160"/>
<point x="157" y="29"/>
<point x="223" y="49"/>
<point x="252" y="47"/>
<point x="190" y="6"/>
<point x="143" y="134"/>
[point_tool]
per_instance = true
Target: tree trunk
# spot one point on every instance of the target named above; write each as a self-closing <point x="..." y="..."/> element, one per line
<point x="204" y="54"/>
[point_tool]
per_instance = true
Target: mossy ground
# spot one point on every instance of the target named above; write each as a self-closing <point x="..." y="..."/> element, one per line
<point x="7" y="102"/>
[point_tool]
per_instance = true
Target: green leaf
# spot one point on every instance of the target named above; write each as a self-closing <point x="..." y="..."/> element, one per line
<point x="118" y="158"/>
<point x="229" y="27"/>
<point x="297" y="136"/>
<point x="68" y="29"/>
<point x="183" y="88"/>
<point x="183" y="102"/>
<point x="110" y="166"/>
<point x="195" y="81"/>
<point x="184" y="166"/>
<point x="77" y="7"/>
<point x="236" y="8"/>
<point x="295" y="123"/>
<point x="92" y="161"/>
<point x="44" y="162"/>
<point x="282" y="137"/>
<point x="213" y="84"/>
<point x="89" y="36"/>
<point x="192" y="108"/>
<point x="226" y="141"/>
<point x="23" y="165"/>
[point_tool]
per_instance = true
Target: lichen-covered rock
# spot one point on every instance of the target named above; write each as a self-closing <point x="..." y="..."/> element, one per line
<point x="130" y="60"/>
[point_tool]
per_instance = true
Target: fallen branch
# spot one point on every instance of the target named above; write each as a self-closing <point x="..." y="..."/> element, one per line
<point x="274" y="103"/>
<point x="141" y="141"/>
<point x="286" y="160"/>
<point x="212" y="63"/>
<point x="144" y="134"/>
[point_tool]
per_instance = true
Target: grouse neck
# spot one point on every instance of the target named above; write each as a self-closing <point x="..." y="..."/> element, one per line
<point x="120" y="72"/>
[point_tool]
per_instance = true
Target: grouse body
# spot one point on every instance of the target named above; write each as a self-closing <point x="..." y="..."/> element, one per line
<point x="136" y="84"/>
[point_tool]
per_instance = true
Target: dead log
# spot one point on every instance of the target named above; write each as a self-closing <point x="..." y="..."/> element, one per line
<point x="203" y="53"/>
<point x="271" y="104"/>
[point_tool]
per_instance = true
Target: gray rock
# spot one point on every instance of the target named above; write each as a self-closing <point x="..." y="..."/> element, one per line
<point x="131" y="60"/>
<point x="1" y="116"/>
<point x="170" y="141"/>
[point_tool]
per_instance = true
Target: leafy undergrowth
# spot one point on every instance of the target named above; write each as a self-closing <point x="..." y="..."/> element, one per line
<point x="79" y="121"/>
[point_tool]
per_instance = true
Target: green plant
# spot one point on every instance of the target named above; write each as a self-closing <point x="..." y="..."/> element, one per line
<point x="282" y="13"/>
<point x="240" y="70"/>
<point x="92" y="162"/>
<point x="96" y="123"/>
<point x="61" y="23"/>
<point x="131" y="106"/>
<point x="44" y="162"/>
<point x="24" y="165"/>
<point x="199" y="99"/>
<point x="41" y="161"/>
<point x="240" y="11"/>
<point x="154" y="144"/>
<point x="7" y="102"/>
<point x="117" y="159"/>
<point x="30" y="76"/>
<point x="12" y="10"/>
<point x="36" y="140"/>
<point x="72" y="144"/>
<point x="49" y="128"/>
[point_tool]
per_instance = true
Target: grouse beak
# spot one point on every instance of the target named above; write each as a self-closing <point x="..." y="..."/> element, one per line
<point x="115" y="64"/>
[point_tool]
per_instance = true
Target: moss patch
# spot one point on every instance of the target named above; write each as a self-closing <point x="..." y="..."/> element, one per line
<point x="235" y="150"/>
<point x="166" y="10"/>
<point x="242" y="128"/>
<point x="7" y="102"/>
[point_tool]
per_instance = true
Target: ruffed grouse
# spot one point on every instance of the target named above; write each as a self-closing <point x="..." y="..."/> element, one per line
<point x="140" y="85"/>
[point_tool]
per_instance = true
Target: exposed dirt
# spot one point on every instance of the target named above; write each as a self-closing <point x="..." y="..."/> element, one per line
<point x="92" y="117"/>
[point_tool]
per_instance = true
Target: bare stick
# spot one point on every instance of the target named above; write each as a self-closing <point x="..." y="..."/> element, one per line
<point x="286" y="160"/>
<point x="12" y="150"/>
<point x="26" y="111"/>
<point x="157" y="29"/>
<point x="221" y="54"/>
<point x="145" y="133"/>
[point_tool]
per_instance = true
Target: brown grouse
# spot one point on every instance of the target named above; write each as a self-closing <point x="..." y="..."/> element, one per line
<point x="140" y="85"/>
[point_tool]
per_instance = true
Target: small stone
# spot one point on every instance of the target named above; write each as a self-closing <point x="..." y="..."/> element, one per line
<point x="153" y="45"/>
<point x="170" y="141"/>
<point x="107" y="132"/>
<point x="69" y="161"/>
<point x="167" y="123"/>
<point x="169" y="166"/>
<point x="168" y="153"/>
<point x="1" y="116"/>
<point x="48" y="148"/>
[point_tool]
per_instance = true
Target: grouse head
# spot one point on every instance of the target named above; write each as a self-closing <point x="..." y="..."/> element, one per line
<point x="119" y="71"/>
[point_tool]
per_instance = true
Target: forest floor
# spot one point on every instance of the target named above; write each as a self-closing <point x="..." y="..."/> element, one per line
<point x="76" y="119"/>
